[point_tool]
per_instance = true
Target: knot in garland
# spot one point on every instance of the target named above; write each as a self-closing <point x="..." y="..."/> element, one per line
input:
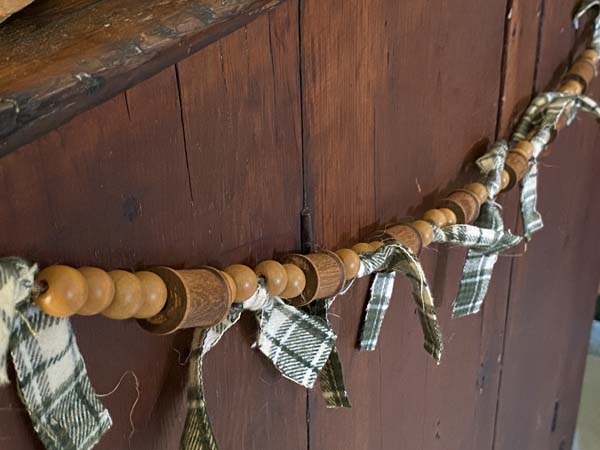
<point x="53" y="382"/>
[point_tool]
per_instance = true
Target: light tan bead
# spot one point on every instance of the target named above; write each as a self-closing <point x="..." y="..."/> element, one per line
<point x="450" y="216"/>
<point x="362" y="247"/>
<point x="572" y="87"/>
<point x="504" y="179"/>
<point x="245" y="281"/>
<point x="425" y="231"/>
<point x="154" y="294"/>
<point x="479" y="190"/>
<point x="376" y="244"/>
<point x="350" y="260"/>
<point x="128" y="295"/>
<point x="296" y="281"/>
<point x="65" y="291"/>
<point x="590" y="55"/>
<point x="436" y="216"/>
<point x="274" y="274"/>
<point x="230" y="284"/>
<point x="101" y="291"/>
<point x="525" y="148"/>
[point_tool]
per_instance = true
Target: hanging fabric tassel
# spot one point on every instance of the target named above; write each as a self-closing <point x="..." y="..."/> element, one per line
<point x="331" y="377"/>
<point x="52" y="379"/>
<point x="585" y="7"/>
<point x="386" y="261"/>
<point x="539" y="125"/>
<point x="297" y="344"/>
<point x="486" y="238"/>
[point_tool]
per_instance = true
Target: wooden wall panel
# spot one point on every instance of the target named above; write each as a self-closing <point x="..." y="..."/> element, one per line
<point x="200" y="164"/>
<point x="554" y="284"/>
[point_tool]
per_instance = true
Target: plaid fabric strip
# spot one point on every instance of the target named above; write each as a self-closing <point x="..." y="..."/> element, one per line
<point x="331" y="377"/>
<point x="391" y="258"/>
<point x="53" y="382"/>
<point x="16" y="280"/>
<point x="197" y="432"/>
<point x="298" y="345"/>
<point x="585" y="7"/>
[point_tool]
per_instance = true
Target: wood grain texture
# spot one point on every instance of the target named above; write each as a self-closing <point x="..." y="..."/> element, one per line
<point x="554" y="285"/>
<point x="59" y="58"/>
<point x="130" y="184"/>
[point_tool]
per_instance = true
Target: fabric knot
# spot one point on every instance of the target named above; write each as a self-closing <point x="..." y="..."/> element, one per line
<point x="386" y="261"/>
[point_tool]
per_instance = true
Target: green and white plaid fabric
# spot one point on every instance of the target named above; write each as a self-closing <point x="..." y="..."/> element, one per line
<point x="16" y="281"/>
<point x="390" y="258"/>
<point x="485" y="238"/>
<point x="53" y="382"/>
<point x="538" y="124"/>
<point x="197" y="432"/>
<point x="587" y="6"/>
<point x="331" y="377"/>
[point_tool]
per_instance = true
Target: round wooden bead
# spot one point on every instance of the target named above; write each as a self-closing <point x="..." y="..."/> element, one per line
<point x="101" y="291"/>
<point x="154" y="294"/>
<point x="590" y="55"/>
<point x="362" y="247"/>
<point x="128" y="295"/>
<point x="479" y="190"/>
<point x="376" y="244"/>
<point x="245" y="281"/>
<point x="464" y="204"/>
<point x="504" y="179"/>
<point x="296" y="281"/>
<point x="450" y="216"/>
<point x="425" y="231"/>
<point x="406" y="234"/>
<point x="525" y="148"/>
<point x="65" y="291"/>
<point x="274" y="274"/>
<point x="350" y="260"/>
<point x="516" y="165"/>
<point x="435" y="216"/>
<point x="572" y="87"/>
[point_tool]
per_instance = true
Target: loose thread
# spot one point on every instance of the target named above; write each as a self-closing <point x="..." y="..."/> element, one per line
<point x="137" y="398"/>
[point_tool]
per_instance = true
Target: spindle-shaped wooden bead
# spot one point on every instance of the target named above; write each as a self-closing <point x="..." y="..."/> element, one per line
<point x="436" y="217"/>
<point x="408" y="235"/>
<point x="101" y="291"/>
<point x="425" y="231"/>
<point x="479" y="190"/>
<point x="245" y="281"/>
<point x="128" y="295"/>
<point x="516" y="165"/>
<point x="324" y="273"/>
<point x="64" y="290"/>
<point x="350" y="260"/>
<point x="274" y="274"/>
<point x="464" y="204"/>
<point x="197" y="298"/>
<point x="154" y="294"/>
<point x="583" y="71"/>
<point x="296" y="281"/>
<point x="362" y="247"/>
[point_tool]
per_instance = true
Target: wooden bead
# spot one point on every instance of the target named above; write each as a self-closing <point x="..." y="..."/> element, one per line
<point x="572" y="87"/>
<point x="479" y="190"/>
<point x="324" y="273"/>
<point x="376" y="244"/>
<point x="516" y="165"/>
<point x="154" y="294"/>
<point x="407" y="235"/>
<point x="464" y="204"/>
<point x="436" y="216"/>
<point x="245" y="281"/>
<point x="350" y="260"/>
<point x="274" y="275"/>
<point x="450" y="216"/>
<point x="197" y="298"/>
<point x="101" y="291"/>
<point x="362" y="247"/>
<point x="525" y="148"/>
<point x="230" y="284"/>
<point x="583" y="71"/>
<point x="504" y="180"/>
<point x="65" y="291"/>
<point x="296" y="281"/>
<point x="590" y="55"/>
<point x="425" y="231"/>
<point x="128" y="295"/>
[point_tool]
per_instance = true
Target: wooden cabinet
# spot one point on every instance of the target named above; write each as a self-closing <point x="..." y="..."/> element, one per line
<point x="366" y="113"/>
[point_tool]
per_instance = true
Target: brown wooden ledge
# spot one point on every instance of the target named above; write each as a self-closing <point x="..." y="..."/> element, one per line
<point x="61" y="57"/>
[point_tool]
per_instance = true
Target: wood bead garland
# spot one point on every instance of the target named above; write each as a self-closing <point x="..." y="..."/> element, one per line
<point x="324" y="273"/>
<point x="408" y="235"/>
<point x="195" y="298"/>
<point x="154" y="294"/>
<point x="64" y="290"/>
<point x="350" y="260"/>
<point x="436" y="216"/>
<point x="274" y="274"/>
<point x="425" y="231"/>
<point x="245" y="281"/>
<point x="464" y="204"/>
<point x="101" y="291"/>
<point x="128" y="295"/>
<point x="296" y="281"/>
<point x="362" y="247"/>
